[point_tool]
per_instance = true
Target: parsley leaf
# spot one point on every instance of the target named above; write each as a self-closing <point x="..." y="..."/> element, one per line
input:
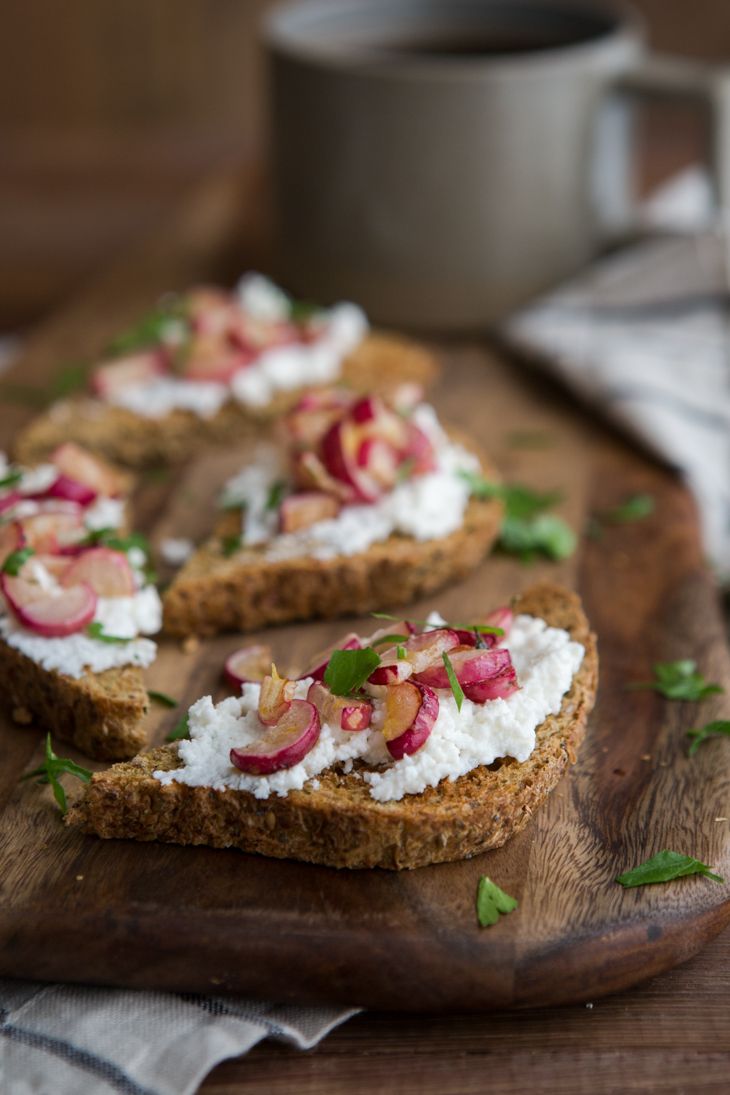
<point x="150" y="330"/>
<point x="664" y="867"/>
<point x="301" y="311"/>
<point x="162" y="698"/>
<point x="492" y="902"/>
<point x="455" y="686"/>
<point x="347" y="670"/>
<point x="180" y="730"/>
<point x="96" y="630"/>
<point x="634" y="508"/>
<point x="715" y="729"/>
<point x="16" y="560"/>
<point x="526" y="530"/>
<point x="52" y="768"/>
<point x="276" y="494"/>
<point x="678" y="681"/>
<point x="400" y="652"/>
<point x="11" y="479"/>
<point x="109" y="537"/>
<point x="230" y="545"/>
<point x="390" y="640"/>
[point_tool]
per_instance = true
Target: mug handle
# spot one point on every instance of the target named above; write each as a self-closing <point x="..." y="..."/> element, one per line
<point x="708" y="86"/>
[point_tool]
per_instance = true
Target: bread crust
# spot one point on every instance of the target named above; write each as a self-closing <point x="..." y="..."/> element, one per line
<point x="99" y="713"/>
<point x="339" y="824"/>
<point x="379" y="363"/>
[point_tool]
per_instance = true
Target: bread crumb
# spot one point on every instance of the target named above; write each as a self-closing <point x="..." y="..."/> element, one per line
<point x="722" y="819"/>
<point x="589" y="1005"/>
<point x="22" y="716"/>
<point x="646" y="756"/>
<point x="79" y="878"/>
<point x="191" y="645"/>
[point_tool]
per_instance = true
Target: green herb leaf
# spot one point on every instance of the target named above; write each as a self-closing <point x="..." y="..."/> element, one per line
<point x="162" y="698"/>
<point x="634" y="508"/>
<point x="52" y="768"/>
<point x="545" y="534"/>
<point x="109" y="537"/>
<point x="664" y="867"/>
<point x="348" y="670"/>
<point x="96" y="630"/>
<point x="180" y="730"/>
<point x="679" y="681"/>
<point x="301" y="311"/>
<point x="230" y="545"/>
<point x="400" y="652"/>
<point x="716" y="729"/>
<point x="530" y="439"/>
<point x="455" y="686"/>
<point x="69" y="378"/>
<point x="16" y="560"/>
<point x="481" y="629"/>
<point x="11" y="479"/>
<point x="390" y="640"/>
<point x="150" y="330"/>
<point x="276" y="494"/>
<point x="492" y="902"/>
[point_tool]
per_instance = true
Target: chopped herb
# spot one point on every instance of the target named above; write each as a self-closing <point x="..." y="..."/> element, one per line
<point x="400" y="652"/>
<point x="150" y="330"/>
<point x="481" y="629"/>
<point x="347" y="670"/>
<point x="109" y="537"/>
<point x="679" y="681"/>
<point x="634" y="508"/>
<point x="162" y="698"/>
<point x="276" y="494"/>
<point x="96" y="630"/>
<point x="390" y="640"/>
<point x="11" y="479"/>
<point x="301" y="311"/>
<point x="230" y="545"/>
<point x="455" y="686"/>
<point x="69" y="378"/>
<point x="526" y="530"/>
<point x="180" y="730"/>
<point x="717" y="729"/>
<point x="16" y="560"/>
<point x="664" y="867"/>
<point x="530" y="439"/>
<point x="52" y="768"/>
<point x="492" y="902"/>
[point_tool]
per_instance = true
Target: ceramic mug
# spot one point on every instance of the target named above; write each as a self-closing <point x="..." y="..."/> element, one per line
<point x="442" y="162"/>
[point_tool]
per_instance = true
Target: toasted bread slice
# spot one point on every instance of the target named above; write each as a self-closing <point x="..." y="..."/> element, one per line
<point x="339" y="824"/>
<point x="380" y="363"/>
<point x="99" y="713"/>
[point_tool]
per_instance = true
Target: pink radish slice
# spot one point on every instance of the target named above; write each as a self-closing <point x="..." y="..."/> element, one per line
<point x="210" y="358"/>
<point x="339" y="454"/>
<point x="410" y="713"/>
<point x="380" y="460"/>
<point x="427" y="648"/>
<point x="12" y="538"/>
<point x="51" y="532"/>
<point x="392" y="669"/>
<point x="498" y="687"/>
<point x="72" y="460"/>
<point x="9" y="500"/>
<point x="50" y="614"/>
<point x="284" y="744"/>
<point x="309" y="473"/>
<point x="250" y="663"/>
<point x="501" y="617"/>
<point x="470" y="666"/>
<point x="107" y="572"/>
<point x="339" y="711"/>
<point x="275" y="698"/>
<point x="113" y="377"/>
<point x="300" y="511"/>
<point x="419" y="449"/>
<point x="71" y="491"/>
<point x="211" y="310"/>
<point x="350" y="642"/>
<point x="367" y="409"/>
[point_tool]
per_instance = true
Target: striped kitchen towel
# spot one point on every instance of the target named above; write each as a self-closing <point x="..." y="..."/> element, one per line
<point x="76" y="1040"/>
<point x="644" y="338"/>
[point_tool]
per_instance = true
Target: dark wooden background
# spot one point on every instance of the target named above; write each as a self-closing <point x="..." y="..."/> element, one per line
<point x="109" y="109"/>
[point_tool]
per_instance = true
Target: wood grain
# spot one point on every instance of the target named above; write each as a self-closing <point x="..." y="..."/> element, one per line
<point x="77" y="908"/>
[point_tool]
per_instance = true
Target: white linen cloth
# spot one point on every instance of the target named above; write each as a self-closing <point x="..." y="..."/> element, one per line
<point x="77" y="1040"/>
<point x="644" y="338"/>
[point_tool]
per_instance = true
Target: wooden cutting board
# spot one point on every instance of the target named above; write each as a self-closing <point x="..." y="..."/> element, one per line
<point x="197" y="919"/>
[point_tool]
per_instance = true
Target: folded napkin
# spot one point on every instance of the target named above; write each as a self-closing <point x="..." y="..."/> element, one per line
<point x="644" y="338"/>
<point x="69" y="1040"/>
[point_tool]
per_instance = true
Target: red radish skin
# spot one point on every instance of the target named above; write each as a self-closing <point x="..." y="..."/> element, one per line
<point x="470" y="666"/>
<point x="392" y="670"/>
<point x="113" y="377"/>
<point x="367" y="409"/>
<point x="52" y="615"/>
<point x="208" y="358"/>
<point x="380" y="460"/>
<point x="247" y="665"/>
<point x="498" y="687"/>
<point x="350" y="642"/>
<point x="339" y="455"/>
<point x="107" y="572"/>
<point x="284" y="744"/>
<point x="9" y="500"/>
<point x="411" y="711"/>
<point x="340" y="711"/>
<point x="428" y="648"/>
<point x="276" y="697"/>
<point x="71" y="490"/>
<point x="302" y="510"/>
<point x="53" y="532"/>
<point x="72" y="460"/>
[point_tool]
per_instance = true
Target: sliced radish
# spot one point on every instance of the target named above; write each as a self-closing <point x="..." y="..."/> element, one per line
<point x="470" y="665"/>
<point x="324" y="399"/>
<point x="7" y="501"/>
<point x="115" y="376"/>
<point x="306" y="508"/>
<point x="210" y="358"/>
<point x="275" y="698"/>
<point x="284" y="744"/>
<point x="12" y="538"/>
<point x="410" y="713"/>
<point x="74" y="461"/>
<point x="52" y="614"/>
<point x="407" y="396"/>
<point x="340" y="711"/>
<point x="428" y="648"/>
<point x="71" y="490"/>
<point x="211" y="310"/>
<point x="309" y="473"/>
<point x="317" y="671"/>
<point x="53" y="530"/>
<point x="250" y="663"/>
<point x="419" y="450"/>
<point x="107" y="572"/>
<point x="498" y="687"/>
<point x="339" y="454"/>
<point x="367" y="409"/>
<point x="380" y="460"/>
<point x="392" y="669"/>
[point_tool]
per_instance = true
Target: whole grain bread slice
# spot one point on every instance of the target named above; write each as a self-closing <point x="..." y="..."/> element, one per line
<point x="338" y="823"/>
<point x="380" y="363"/>
<point x="99" y="713"/>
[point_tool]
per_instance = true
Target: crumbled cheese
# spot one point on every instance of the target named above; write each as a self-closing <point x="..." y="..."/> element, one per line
<point x="127" y="617"/>
<point x="262" y="300"/>
<point x="251" y="488"/>
<point x="72" y="655"/>
<point x="104" y="513"/>
<point x="176" y="550"/>
<point x="37" y="480"/>
<point x="159" y="397"/>
<point x="545" y="659"/>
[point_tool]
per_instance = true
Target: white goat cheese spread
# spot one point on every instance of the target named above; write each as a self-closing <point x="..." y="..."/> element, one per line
<point x="125" y="617"/>
<point x="424" y="507"/>
<point x="159" y="397"/>
<point x="545" y="659"/>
